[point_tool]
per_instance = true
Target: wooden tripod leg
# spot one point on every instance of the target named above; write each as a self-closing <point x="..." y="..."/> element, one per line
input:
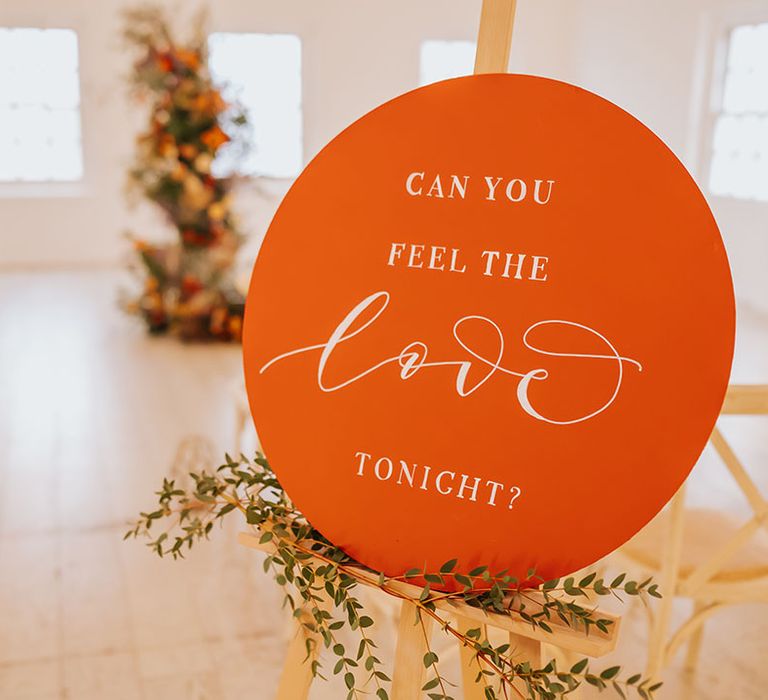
<point x="473" y="690"/>
<point x="668" y="580"/>
<point x="694" y="643"/>
<point x="296" y="676"/>
<point x="565" y="659"/>
<point x="523" y="649"/>
<point x="495" y="36"/>
<point x="412" y="635"/>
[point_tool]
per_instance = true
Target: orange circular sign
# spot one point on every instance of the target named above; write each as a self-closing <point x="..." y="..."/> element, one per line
<point x="492" y="320"/>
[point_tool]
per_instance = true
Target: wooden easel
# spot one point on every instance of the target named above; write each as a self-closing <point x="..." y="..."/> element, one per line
<point x="526" y="642"/>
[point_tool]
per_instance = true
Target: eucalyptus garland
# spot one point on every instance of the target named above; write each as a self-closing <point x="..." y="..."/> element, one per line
<point x="320" y="582"/>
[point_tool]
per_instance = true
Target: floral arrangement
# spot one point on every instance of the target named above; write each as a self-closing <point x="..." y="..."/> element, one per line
<point x="187" y="285"/>
<point x="320" y="582"/>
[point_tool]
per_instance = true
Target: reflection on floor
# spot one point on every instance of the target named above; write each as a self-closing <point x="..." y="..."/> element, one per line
<point x="91" y="412"/>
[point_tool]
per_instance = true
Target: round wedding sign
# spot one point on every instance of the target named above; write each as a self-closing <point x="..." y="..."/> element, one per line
<point x="492" y="320"/>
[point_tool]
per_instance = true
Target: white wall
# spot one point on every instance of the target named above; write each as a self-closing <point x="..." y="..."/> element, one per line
<point x="356" y="54"/>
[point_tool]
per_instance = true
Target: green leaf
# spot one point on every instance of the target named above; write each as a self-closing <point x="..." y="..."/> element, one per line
<point x="463" y="580"/>
<point x="594" y="680"/>
<point x="449" y="566"/>
<point x="630" y="588"/>
<point x="611" y="672"/>
<point x="431" y="684"/>
<point x="579" y="666"/>
<point x="618" y="580"/>
<point x="226" y="508"/>
<point x="430" y="658"/>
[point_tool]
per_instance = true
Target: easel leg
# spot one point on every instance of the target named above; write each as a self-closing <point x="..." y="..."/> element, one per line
<point x="409" y="671"/>
<point x="565" y="659"/>
<point x="657" y="647"/>
<point x="296" y="677"/>
<point x="495" y="36"/>
<point x="523" y="649"/>
<point x="469" y="665"/>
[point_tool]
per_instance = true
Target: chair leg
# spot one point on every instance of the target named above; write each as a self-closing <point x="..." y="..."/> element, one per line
<point x="694" y="643"/>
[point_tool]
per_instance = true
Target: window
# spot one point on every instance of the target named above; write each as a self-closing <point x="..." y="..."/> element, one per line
<point x="263" y="73"/>
<point x="739" y="166"/>
<point x="441" y="60"/>
<point x="39" y="106"/>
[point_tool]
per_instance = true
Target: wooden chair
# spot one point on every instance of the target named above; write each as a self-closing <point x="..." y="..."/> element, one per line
<point x="703" y="555"/>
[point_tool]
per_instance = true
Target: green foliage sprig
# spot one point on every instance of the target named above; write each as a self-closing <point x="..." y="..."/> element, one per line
<point x="320" y="581"/>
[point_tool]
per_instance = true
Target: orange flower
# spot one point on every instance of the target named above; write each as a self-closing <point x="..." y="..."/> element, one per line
<point x="179" y="172"/>
<point x="214" y="137"/>
<point x="188" y="151"/>
<point x="217" y="211"/>
<point x="165" y="144"/>
<point x="217" y="101"/>
<point x="218" y="319"/>
<point x="211" y="102"/>
<point x="190" y="285"/>
<point x="189" y="58"/>
<point x="235" y="327"/>
<point x="164" y="62"/>
<point x="199" y="103"/>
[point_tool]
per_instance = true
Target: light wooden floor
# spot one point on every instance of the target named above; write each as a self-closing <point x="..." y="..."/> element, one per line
<point x="91" y="412"/>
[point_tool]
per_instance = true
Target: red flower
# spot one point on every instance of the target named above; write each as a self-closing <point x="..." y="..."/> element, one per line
<point x="190" y="285"/>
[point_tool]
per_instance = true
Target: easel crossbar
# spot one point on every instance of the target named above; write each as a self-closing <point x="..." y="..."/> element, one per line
<point x="595" y="644"/>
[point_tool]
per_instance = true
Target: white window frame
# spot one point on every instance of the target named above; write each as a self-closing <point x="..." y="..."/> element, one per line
<point x="53" y="189"/>
<point x="277" y="180"/>
<point x="707" y="97"/>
